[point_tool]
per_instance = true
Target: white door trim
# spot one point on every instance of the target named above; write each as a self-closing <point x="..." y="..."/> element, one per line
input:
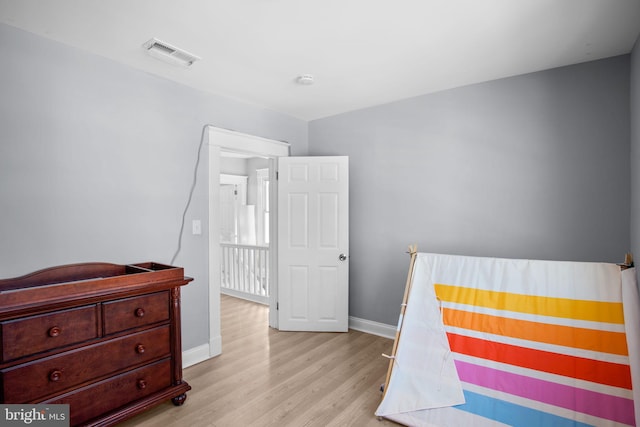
<point x="227" y="140"/>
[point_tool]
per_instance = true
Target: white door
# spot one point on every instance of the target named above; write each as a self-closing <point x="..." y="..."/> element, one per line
<point x="313" y="244"/>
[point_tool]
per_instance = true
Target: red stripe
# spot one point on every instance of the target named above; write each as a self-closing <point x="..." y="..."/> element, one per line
<point x="608" y="373"/>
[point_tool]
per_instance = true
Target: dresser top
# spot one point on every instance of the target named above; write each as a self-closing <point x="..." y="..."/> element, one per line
<point x="84" y="281"/>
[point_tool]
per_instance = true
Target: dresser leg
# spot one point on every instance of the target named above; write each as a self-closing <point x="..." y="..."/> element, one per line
<point x="179" y="400"/>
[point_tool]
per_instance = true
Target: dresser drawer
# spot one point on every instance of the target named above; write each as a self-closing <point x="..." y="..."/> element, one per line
<point x="31" y="381"/>
<point x="31" y="335"/>
<point x="99" y="398"/>
<point x="133" y="312"/>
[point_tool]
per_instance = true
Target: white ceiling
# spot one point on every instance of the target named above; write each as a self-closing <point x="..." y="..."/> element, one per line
<point x="360" y="52"/>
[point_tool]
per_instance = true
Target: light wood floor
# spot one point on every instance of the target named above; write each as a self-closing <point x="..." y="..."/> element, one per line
<point x="269" y="378"/>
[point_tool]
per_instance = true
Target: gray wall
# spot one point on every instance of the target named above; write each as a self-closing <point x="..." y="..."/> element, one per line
<point x="635" y="151"/>
<point x="534" y="166"/>
<point x="96" y="162"/>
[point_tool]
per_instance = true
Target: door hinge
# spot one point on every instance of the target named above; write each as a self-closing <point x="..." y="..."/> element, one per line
<point x="277" y="306"/>
<point x="277" y="175"/>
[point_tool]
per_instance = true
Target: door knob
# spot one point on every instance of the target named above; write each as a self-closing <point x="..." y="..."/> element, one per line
<point x="342" y="257"/>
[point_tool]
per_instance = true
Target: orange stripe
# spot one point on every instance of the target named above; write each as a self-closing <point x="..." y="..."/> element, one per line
<point x="587" y="339"/>
<point x="597" y="371"/>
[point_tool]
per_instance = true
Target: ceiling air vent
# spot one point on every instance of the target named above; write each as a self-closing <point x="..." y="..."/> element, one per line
<point x="168" y="53"/>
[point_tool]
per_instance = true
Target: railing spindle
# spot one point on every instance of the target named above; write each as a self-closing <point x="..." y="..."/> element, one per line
<point x="245" y="270"/>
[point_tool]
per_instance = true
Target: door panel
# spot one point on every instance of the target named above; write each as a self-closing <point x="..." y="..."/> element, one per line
<point x="313" y="232"/>
<point x="298" y="212"/>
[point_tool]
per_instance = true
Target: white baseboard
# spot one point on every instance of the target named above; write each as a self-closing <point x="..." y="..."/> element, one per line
<point x="195" y="355"/>
<point x="371" y="327"/>
<point x="246" y="296"/>
<point x="215" y="346"/>
<point x="202" y="352"/>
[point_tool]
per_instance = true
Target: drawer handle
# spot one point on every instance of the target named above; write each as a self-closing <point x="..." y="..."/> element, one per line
<point x="139" y="312"/>
<point x="54" y="332"/>
<point x="140" y="349"/>
<point x="142" y="384"/>
<point x="55" y="375"/>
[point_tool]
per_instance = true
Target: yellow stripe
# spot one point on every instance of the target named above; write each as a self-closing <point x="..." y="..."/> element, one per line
<point x="596" y="311"/>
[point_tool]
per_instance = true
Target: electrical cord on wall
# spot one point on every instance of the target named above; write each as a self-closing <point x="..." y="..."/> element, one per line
<point x="193" y="187"/>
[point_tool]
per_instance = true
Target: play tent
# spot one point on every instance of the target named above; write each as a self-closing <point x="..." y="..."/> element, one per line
<point x="492" y="342"/>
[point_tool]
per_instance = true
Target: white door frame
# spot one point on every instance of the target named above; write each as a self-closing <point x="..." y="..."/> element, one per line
<point x="223" y="139"/>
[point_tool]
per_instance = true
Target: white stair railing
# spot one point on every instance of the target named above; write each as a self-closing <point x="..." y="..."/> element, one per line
<point x="245" y="271"/>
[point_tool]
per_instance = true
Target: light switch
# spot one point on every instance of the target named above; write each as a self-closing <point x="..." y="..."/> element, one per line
<point x="196" y="226"/>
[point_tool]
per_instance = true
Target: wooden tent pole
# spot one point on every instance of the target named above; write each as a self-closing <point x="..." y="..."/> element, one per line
<point x="628" y="261"/>
<point x="413" y="252"/>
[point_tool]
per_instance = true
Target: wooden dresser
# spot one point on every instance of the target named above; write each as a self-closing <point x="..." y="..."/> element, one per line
<point x="103" y="338"/>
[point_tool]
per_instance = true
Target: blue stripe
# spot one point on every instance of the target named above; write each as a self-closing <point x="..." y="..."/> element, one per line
<point x="512" y="414"/>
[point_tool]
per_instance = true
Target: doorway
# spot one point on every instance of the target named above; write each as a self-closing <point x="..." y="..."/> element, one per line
<point x="244" y="226"/>
<point x="220" y="141"/>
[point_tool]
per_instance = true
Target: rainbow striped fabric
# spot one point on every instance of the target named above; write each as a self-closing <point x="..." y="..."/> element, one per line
<point x="534" y="343"/>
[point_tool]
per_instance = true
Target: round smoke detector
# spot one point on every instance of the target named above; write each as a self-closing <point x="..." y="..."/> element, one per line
<point x="305" y="79"/>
